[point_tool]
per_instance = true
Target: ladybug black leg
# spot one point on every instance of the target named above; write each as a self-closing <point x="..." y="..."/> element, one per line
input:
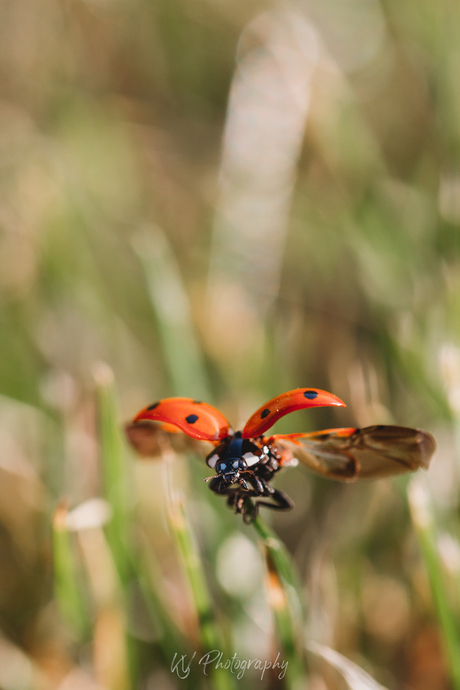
<point x="218" y="485"/>
<point x="282" y="501"/>
<point x="250" y="515"/>
<point x="244" y="484"/>
<point x="259" y="485"/>
<point x="241" y="502"/>
<point x="240" y="499"/>
<point x="236" y="498"/>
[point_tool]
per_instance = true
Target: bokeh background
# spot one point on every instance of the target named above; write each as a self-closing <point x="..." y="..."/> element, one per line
<point x="225" y="200"/>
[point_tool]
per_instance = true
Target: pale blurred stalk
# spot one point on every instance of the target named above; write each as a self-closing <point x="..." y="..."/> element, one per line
<point x="110" y="645"/>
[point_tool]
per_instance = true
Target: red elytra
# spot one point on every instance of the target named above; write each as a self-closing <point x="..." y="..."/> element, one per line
<point x="297" y="399"/>
<point x="195" y="418"/>
<point x="204" y="422"/>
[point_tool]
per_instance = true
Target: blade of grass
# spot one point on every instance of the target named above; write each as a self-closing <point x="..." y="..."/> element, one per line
<point x="424" y="522"/>
<point x="115" y="484"/>
<point x="211" y="638"/>
<point x="67" y="585"/>
<point x="113" y="468"/>
<point x="285" y="604"/>
<point x="210" y="635"/>
<point x="181" y="351"/>
<point x="171" y="640"/>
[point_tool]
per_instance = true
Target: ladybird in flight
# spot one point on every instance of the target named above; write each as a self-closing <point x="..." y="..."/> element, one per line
<point x="245" y="461"/>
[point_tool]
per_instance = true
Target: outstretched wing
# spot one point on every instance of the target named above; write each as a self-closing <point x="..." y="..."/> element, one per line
<point x="149" y="439"/>
<point x="297" y="399"/>
<point x="349" y="454"/>
<point x="195" y="418"/>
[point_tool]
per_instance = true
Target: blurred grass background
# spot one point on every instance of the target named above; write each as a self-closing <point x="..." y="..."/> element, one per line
<point x="224" y="200"/>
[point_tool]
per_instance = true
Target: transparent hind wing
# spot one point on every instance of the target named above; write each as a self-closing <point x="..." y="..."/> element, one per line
<point x="149" y="440"/>
<point x="349" y="454"/>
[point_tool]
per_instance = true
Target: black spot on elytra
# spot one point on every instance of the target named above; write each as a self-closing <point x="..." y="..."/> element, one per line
<point x="264" y="413"/>
<point x="191" y="419"/>
<point x="152" y="407"/>
<point x="311" y="395"/>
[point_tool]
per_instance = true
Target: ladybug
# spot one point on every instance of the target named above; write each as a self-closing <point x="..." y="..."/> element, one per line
<point x="246" y="461"/>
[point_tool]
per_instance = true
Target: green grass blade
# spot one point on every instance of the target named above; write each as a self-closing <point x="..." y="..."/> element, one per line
<point x="285" y="604"/>
<point x="211" y="638"/>
<point x="114" y="468"/>
<point x="181" y="351"/>
<point x="67" y="585"/>
<point x="148" y="577"/>
<point x="116" y="488"/>
<point x="424" y="522"/>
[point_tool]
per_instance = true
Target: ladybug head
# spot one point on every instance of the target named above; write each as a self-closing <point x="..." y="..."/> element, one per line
<point x="233" y="456"/>
<point x="231" y="466"/>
